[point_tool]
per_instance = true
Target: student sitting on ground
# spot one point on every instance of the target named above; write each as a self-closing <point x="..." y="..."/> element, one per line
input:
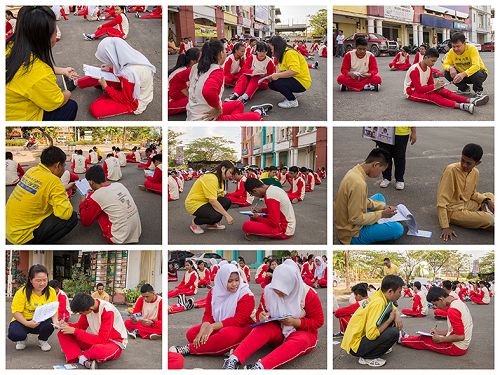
<point x="122" y="158"/>
<point x="147" y="164"/>
<point x="453" y="341"/>
<point x="308" y="269"/>
<point x="297" y="190"/>
<point x="356" y="214"/>
<point x="117" y="27"/>
<point x="203" y="275"/>
<point x="233" y="65"/>
<point x="79" y="164"/>
<point x="178" y="81"/>
<point x="112" y="206"/>
<point x="458" y="201"/>
<point x="149" y="324"/>
<point x="344" y="314"/>
<point x="450" y="289"/>
<point x="240" y="196"/>
<point x="308" y="179"/>
<point x="98" y="336"/>
<point x="402" y="60"/>
<point x="419" y="86"/>
<point x="279" y="219"/>
<point x="41" y="193"/>
<point x="64" y="310"/>
<point x="111" y="167"/>
<point x="13" y="170"/>
<point x="173" y="186"/>
<point x="154" y="183"/>
<point x="320" y="273"/>
<point x="364" y="337"/>
<point x="100" y="293"/>
<point x="483" y="296"/>
<point x="419" y="308"/>
<point x="93" y="158"/>
<point x="359" y="69"/>
<point x="189" y="283"/>
<point x="244" y="268"/>
<point x="134" y="156"/>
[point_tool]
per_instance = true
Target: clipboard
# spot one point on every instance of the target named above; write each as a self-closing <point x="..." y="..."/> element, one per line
<point x="385" y="314"/>
<point x="270" y="320"/>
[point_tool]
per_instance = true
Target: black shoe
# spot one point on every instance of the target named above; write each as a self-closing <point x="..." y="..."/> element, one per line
<point x="480" y="100"/>
<point x="262" y="109"/>
<point x="343" y="88"/>
<point x="189" y="304"/>
<point x="376" y="87"/>
<point x="243" y="100"/>
<point x="231" y="97"/>
<point x="230" y="364"/>
<point x="316" y="65"/>
<point x="90" y="364"/>
<point x="254" y="366"/>
<point x="70" y="84"/>
<point x="181" y="349"/>
<point x="338" y="334"/>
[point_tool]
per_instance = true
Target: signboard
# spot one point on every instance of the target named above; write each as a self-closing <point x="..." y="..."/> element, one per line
<point x="205" y="31"/>
<point x="261" y="13"/>
<point x="87" y="135"/>
<point x="246" y="23"/>
<point x="460" y="26"/>
<point x="382" y="134"/>
<point x="400" y="13"/>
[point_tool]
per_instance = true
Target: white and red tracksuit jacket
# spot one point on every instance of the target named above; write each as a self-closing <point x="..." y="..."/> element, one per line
<point x="64" y="310"/>
<point x="418" y="80"/>
<point x="459" y="322"/>
<point x="150" y="310"/>
<point x="310" y="182"/>
<point x="119" y="22"/>
<point x="298" y="187"/>
<point x="308" y="270"/>
<point x="232" y="67"/>
<point x="205" y="91"/>
<point x="279" y="211"/>
<point x="252" y="63"/>
<point x="352" y="63"/>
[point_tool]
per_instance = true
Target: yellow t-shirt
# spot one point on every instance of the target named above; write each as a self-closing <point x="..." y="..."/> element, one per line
<point x="393" y="270"/>
<point x="293" y="60"/>
<point x="206" y="187"/>
<point x="403" y="130"/>
<point x="469" y="61"/>
<point x="104" y="296"/>
<point x="27" y="308"/>
<point x="264" y="175"/>
<point x="31" y="92"/>
<point x="38" y="195"/>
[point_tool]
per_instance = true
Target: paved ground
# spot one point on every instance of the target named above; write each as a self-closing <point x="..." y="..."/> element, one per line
<point x="425" y="161"/>
<point x="140" y="354"/>
<point x="72" y="50"/>
<point x="310" y="215"/>
<point x="149" y="204"/>
<point x="480" y="354"/>
<point x="312" y="104"/>
<point x="390" y="105"/>
<point x="179" y="323"/>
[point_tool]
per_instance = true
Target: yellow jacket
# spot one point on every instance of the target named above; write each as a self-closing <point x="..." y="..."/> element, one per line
<point x="469" y="62"/>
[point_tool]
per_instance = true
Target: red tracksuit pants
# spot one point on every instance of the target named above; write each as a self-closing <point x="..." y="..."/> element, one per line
<point x="343" y="318"/>
<point x="296" y="344"/>
<point x="234" y="111"/>
<point x="238" y="199"/>
<point x="477" y="300"/>
<point x="257" y="228"/>
<point x="177" y="292"/>
<point x="73" y="348"/>
<point x="413" y="313"/>
<point x="176" y="106"/>
<point x="175" y="361"/>
<point x="308" y="280"/>
<point x="294" y="195"/>
<point x="173" y="309"/>
<point x="400" y="66"/>
<point x="426" y="343"/>
<point x="155" y="187"/>
<point x="105" y="225"/>
<point x="203" y="282"/>
<point x="144" y="331"/>
<point x="200" y="303"/>
<point x="355" y="85"/>
<point x="156" y="13"/>
<point x="231" y="79"/>
<point x="322" y="283"/>
<point x="249" y="85"/>
<point x="105" y="105"/>
<point x="442" y="98"/>
<point x="109" y="31"/>
<point x="219" y="342"/>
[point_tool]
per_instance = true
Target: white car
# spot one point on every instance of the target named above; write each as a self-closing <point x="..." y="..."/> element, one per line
<point x="206" y="258"/>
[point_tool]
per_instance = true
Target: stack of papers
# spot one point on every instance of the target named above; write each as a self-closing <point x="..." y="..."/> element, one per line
<point x="98" y="73"/>
<point x="404" y="214"/>
<point x="83" y="186"/>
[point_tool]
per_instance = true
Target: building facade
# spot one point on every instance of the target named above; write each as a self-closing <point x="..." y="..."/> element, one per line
<point x="481" y="27"/>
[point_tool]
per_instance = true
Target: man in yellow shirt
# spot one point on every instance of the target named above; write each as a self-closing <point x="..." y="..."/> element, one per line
<point x="100" y="293"/>
<point x="389" y="268"/>
<point x="367" y="336"/>
<point x="463" y="66"/>
<point x="38" y="210"/>
<point x="356" y="215"/>
<point x="458" y="201"/>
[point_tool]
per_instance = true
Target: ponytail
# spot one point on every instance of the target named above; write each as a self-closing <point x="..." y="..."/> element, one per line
<point x="209" y="53"/>
<point x="185" y="59"/>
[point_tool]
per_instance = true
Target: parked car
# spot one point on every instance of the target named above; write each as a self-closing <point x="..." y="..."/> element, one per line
<point x="377" y="43"/>
<point x="488" y="47"/>
<point x="205" y="257"/>
<point x="443" y="46"/>
<point x="178" y="258"/>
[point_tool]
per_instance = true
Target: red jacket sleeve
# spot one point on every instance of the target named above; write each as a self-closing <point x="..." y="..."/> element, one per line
<point x="82" y="323"/>
<point x="62" y="306"/>
<point x="314" y="318"/>
<point x="105" y="168"/>
<point x="346" y="311"/>
<point x="262" y="307"/>
<point x="125" y="95"/>
<point x="372" y="66"/>
<point x="211" y="89"/>
<point x="455" y="318"/>
<point x="104" y="334"/>
<point x="158" y="320"/>
<point x="89" y="211"/>
<point x="244" y="309"/>
<point x="300" y="185"/>
<point x="138" y="305"/>
<point x="415" y="80"/>
<point x="271" y="68"/>
<point x="247" y="68"/>
<point x="191" y="281"/>
<point x="115" y="21"/>
<point x="20" y="170"/>
<point x="415" y="59"/>
<point x="207" y="316"/>
<point x="156" y="176"/>
<point x="395" y="60"/>
<point x="273" y="213"/>
<point x="346" y="64"/>
<point x="417" y="303"/>
<point x="182" y="48"/>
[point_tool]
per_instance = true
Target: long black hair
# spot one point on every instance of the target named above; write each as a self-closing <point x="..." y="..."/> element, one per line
<point x="34" y="269"/>
<point x="9" y="13"/>
<point x="34" y="28"/>
<point x="236" y="47"/>
<point x="279" y="46"/>
<point x="218" y="170"/>
<point x="209" y="53"/>
<point x="184" y="59"/>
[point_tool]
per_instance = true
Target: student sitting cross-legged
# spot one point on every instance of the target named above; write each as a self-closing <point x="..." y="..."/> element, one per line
<point x="344" y="314"/>
<point x="149" y="324"/>
<point x="419" y="308"/>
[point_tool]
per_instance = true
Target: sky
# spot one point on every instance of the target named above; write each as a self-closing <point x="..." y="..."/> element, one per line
<point x="297" y="14"/>
<point x="191" y="133"/>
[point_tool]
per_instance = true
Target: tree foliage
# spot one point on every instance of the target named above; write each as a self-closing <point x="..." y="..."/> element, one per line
<point x="487" y="263"/>
<point x="209" y="149"/>
<point x="319" y="22"/>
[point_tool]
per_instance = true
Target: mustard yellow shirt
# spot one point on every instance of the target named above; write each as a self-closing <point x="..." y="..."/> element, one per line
<point x="393" y="270"/>
<point x="206" y="187"/>
<point x="38" y="195"/>
<point x="455" y="189"/>
<point x="104" y="296"/>
<point x="402" y="130"/>
<point x="31" y="92"/>
<point x="293" y="60"/>
<point x="27" y="308"/>
<point x="469" y="62"/>
<point x="364" y="322"/>
<point x="352" y="204"/>
<point x="264" y="175"/>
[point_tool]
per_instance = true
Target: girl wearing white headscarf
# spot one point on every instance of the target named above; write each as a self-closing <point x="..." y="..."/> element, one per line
<point x="213" y="268"/>
<point x="320" y="273"/>
<point x="189" y="283"/>
<point x="296" y="335"/>
<point x="226" y="321"/>
<point x="133" y="92"/>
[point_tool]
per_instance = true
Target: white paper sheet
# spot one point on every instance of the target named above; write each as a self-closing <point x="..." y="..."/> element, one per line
<point x="404" y="214"/>
<point x="149" y="172"/>
<point x="422" y="333"/>
<point x="45" y="312"/>
<point x="83" y="186"/>
<point x="97" y="73"/>
<point x="251" y="213"/>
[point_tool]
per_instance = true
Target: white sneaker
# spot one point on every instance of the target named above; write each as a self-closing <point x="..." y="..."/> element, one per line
<point x="400" y="185"/>
<point x="216" y="226"/>
<point x="44" y="345"/>
<point x="288" y="103"/>
<point x="21" y="345"/>
<point x="376" y="362"/>
<point x="385" y="183"/>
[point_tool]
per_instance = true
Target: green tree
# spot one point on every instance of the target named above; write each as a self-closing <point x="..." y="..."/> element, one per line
<point x="411" y="262"/>
<point x="458" y="264"/>
<point x="173" y="142"/>
<point x="487" y="263"/>
<point x="438" y="259"/>
<point x="210" y="149"/>
<point x="319" y="23"/>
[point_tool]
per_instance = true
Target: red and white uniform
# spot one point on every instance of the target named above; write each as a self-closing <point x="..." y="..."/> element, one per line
<point x="303" y="50"/>
<point x="213" y="270"/>
<point x="154" y="183"/>
<point x="308" y="270"/>
<point x="418" y="57"/>
<point x="249" y="51"/>
<point x="482" y="297"/>
<point x="320" y="272"/>
<point x="418" y="86"/>
<point x="79" y="164"/>
<point x="246" y="271"/>
<point x="183" y="47"/>
<point x="157" y="12"/>
<point x="310" y="182"/>
<point x="115" y="210"/>
<point x="148" y="164"/>
<point x="240" y="195"/>
<point x="407" y="293"/>
<point x="100" y="335"/>
<point x="232" y="69"/>
<point x="122" y="158"/>
<point x="260" y="277"/>
<point x="317" y="178"/>
<point x="284" y="178"/>
<point x="459" y="322"/>
<point x="178" y="80"/>
<point x="13" y="172"/>
<point x="188" y="285"/>
<point x="173" y="189"/>
<point x="204" y="277"/>
<point x="112" y="170"/>
<point x="250" y="84"/>
<point x="344" y="314"/>
<point x="280" y="220"/>
<point x="443" y="313"/>
<point x="365" y="64"/>
<point x="148" y="310"/>
<point x="314" y="47"/>
<point x="297" y="190"/>
<point x="117" y="27"/>
<point x="419" y="308"/>
<point x="64" y="310"/>
<point x="323" y="51"/>
<point x="401" y="62"/>
<point x="93" y="158"/>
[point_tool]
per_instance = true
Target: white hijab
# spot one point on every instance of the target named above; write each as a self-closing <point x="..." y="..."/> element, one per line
<point x="120" y="55"/>
<point x="223" y="301"/>
<point x="286" y="279"/>
<point x="318" y="273"/>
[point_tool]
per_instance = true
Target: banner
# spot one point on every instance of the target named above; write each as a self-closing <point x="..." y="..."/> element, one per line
<point x="205" y="31"/>
<point x="382" y="134"/>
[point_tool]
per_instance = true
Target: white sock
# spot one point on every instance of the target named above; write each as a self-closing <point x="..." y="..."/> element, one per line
<point x="462" y="105"/>
<point x="82" y="359"/>
<point x="92" y="35"/>
<point x="232" y="356"/>
<point x="244" y="96"/>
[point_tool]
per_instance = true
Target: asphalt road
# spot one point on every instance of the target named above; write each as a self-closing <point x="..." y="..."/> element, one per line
<point x="139" y="354"/>
<point x="479" y="356"/>
<point x="72" y="50"/>
<point x="312" y="103"/>
<point x="389" y="104"/>
<point x="179" y="323"/>
<point x="310" y="215"/>
<point x="425" y="161"/>
<point x="148" y="204"/>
